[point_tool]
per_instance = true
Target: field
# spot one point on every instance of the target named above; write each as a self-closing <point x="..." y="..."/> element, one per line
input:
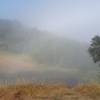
<point x="90" y="91"/>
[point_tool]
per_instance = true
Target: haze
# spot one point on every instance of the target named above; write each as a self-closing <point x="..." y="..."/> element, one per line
<point x="48" y="39"/>
<point x="75" y="19"/>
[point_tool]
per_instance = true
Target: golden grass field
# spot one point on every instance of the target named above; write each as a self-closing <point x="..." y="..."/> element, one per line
<point x="90" y="91"/>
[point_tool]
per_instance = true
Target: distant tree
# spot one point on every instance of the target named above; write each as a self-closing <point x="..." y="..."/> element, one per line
<point x="94" y="49"/>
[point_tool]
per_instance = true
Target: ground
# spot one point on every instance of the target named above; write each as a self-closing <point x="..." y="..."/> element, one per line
<point x="50" y="92"/>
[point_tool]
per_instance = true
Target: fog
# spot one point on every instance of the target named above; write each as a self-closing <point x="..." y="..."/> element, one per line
<point x="48" y="40"/>
<point x="79" y="20"/>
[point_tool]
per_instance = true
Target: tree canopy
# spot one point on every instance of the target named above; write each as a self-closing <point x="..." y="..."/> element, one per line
<point x="94" y="49"/>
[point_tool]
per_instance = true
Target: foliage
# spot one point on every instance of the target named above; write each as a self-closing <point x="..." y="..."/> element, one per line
<point x="94" y="49"/>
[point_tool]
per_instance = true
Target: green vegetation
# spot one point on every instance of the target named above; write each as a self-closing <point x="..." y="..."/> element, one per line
<point x="94" y="49"/>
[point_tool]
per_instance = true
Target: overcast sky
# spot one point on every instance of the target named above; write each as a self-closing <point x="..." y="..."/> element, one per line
<point x="77" y="19"/>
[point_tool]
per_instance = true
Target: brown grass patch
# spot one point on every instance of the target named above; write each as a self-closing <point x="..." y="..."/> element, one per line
<point x="50" y="92"/>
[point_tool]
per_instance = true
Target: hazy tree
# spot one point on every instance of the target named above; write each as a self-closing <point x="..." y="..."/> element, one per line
<point x="94" y="49"/>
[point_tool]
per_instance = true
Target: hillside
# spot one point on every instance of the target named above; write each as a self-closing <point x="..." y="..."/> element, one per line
<point x="52" y="57"/>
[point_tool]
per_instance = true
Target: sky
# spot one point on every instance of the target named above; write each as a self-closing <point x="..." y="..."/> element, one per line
<point x="76" y="19"/>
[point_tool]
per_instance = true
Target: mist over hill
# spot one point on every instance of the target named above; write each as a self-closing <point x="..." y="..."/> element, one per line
<point x="52" y="57"/>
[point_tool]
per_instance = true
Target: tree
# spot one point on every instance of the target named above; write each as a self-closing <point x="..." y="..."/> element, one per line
<point x="94" y="49"/>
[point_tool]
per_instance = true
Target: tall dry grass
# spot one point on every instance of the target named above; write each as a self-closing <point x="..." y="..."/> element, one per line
<point x="50" y="91"/>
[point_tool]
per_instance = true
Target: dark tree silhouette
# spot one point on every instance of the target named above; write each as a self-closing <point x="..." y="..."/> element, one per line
<point x="94" y="49"/>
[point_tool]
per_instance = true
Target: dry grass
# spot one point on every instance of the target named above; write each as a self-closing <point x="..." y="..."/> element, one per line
<point x="91" y="89"/>
<point x="28" y="91"/>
